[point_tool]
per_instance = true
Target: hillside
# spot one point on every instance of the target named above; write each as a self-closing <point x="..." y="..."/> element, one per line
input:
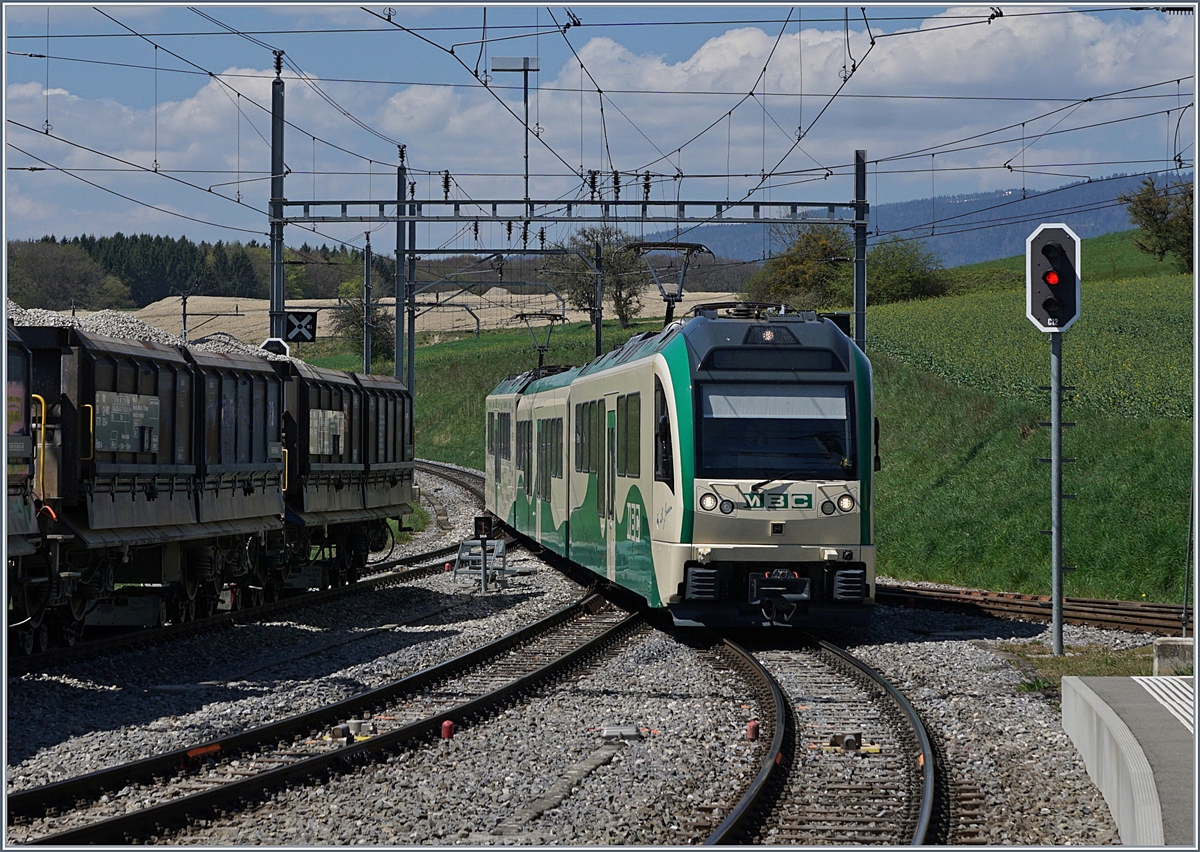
<point x="1090" y="208"/>
<point x="961" y="496"/>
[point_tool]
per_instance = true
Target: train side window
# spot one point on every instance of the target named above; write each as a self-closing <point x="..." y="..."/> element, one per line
<point x="558" y="448"/>
<point x="598" y="433"/>
<point x="543" y="459"/>
<point x="525" y="452"/>
<point x="579" y="438"/>
<point x="598" y="455"/>
<point x="587" y="436"/>
<point x="664" y="462"/>
<point x="491" y="433"/>
<point x="622" y="444"/>
<point x="630" y="433"/>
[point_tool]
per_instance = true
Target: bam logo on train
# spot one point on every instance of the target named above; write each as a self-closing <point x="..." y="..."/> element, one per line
<point x="758" y="500"/>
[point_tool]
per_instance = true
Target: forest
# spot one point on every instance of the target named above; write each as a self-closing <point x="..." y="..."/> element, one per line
<point x="132" y="271"/>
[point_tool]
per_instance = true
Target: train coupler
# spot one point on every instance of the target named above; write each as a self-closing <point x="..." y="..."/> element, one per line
<point x="780" y="585"/>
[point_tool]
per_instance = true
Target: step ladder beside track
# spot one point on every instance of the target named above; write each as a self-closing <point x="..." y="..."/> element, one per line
<point x="486" y="558"/>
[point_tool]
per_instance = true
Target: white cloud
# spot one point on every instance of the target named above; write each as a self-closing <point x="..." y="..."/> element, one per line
<point x="465" y="130"/>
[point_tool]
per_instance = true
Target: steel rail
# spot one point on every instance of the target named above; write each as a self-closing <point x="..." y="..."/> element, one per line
<point x="1134" y="616"/>
<point x="926" y="755"/>
<point x="151" y="820"/>
<point x="469" y="480"/>
<point x="772" y="763"/>
<point x="37" y="801"/>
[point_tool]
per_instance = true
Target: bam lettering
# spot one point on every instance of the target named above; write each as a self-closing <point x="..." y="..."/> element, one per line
<point x="757" y="500"/>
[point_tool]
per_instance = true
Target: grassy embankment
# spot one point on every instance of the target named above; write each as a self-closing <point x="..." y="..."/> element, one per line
<point x="962" y="496"/>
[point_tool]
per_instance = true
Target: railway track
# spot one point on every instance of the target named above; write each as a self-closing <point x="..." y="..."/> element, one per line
<point x="465" y="479"/>
<point x="849" y="760"/>
<point x="1132" y="616"/>
<point x="189" y="783"/>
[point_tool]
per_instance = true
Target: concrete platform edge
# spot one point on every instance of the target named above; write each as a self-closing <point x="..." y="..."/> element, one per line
<point x="1115" y="762"/>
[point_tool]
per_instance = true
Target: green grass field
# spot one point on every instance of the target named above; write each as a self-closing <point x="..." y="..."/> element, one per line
<point x="962" y="496"/>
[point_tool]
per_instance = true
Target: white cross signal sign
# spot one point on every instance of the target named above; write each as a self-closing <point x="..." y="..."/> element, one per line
<point x="301" y="327"/>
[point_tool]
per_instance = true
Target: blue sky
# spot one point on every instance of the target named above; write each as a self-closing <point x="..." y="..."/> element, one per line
<point x="708" y="98"/>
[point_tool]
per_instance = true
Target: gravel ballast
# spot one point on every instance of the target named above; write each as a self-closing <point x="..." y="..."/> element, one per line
<point x="667" y="786"/>
<point x="663" y="787"/>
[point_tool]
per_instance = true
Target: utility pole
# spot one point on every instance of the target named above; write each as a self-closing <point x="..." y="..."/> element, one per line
<point x="277" y="201"/>
<point x="412" y="300"/>
<point x="599" y="312"/>
<point x="497" y="212"/>
<point x="401" y="277"/>
<point x="524" y="64"/>
<point x="860" y="249"/>
<point x="367" y="306"/>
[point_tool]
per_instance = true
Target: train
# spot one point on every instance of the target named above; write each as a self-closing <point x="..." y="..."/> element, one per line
<point x="151" y="483"/>
<point x="721" y="468"/>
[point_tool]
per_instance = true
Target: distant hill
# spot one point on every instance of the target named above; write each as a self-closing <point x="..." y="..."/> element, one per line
<point x="1090" y="208"/>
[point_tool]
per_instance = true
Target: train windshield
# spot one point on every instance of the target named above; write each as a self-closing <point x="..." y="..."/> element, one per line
<point x="777" y="431"/>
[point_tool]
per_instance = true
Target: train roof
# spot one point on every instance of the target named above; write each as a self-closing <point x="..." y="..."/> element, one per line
<point x="703" y="333"/>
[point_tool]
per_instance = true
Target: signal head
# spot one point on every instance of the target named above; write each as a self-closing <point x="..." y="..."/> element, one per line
<point x="1052" y="251"/>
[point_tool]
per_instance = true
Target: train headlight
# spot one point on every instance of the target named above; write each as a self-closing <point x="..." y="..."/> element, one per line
<point x="726" y="507"/>
<point x="708" y="502"/>
<point x="845" y="502"/>
<point x="827" y="508"/>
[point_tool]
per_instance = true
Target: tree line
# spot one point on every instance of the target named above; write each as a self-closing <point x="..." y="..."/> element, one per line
<point x="814" y="272"/>
<point x="131" y="271"/>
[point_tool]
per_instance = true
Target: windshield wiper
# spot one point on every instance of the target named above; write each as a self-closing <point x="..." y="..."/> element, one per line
<point x="756" y="486"/>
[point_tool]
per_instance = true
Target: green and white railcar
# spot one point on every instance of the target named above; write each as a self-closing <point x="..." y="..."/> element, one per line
<point x="721" y="467"/>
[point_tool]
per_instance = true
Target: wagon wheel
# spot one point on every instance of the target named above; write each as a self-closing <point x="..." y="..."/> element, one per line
<point x="377" y="535"/>
<point x="257" y="588"/>
<point x="25" y="640"/>
<point x="69" y="633"/>
<point x="41" y="638"/>
<point x="185" y="610"/>
<point x="77" y="607"/>
<point x="191" y="583"/>
<point x="33" y="601"/>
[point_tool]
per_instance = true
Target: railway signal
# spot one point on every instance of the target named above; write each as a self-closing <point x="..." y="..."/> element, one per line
<point x="1052" y="277"/>
<point x="301" y="326"/>
<point x="1052" y="304"/>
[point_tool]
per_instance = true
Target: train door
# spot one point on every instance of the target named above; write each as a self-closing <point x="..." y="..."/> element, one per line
<point x="610" y="491"/>
<point x="541" y="489"/>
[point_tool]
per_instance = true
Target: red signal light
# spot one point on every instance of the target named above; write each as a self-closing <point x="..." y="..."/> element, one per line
<point x="1051" y="277"/>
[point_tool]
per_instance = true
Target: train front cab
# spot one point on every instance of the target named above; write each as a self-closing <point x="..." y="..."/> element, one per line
<point x="777" y="437"/>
